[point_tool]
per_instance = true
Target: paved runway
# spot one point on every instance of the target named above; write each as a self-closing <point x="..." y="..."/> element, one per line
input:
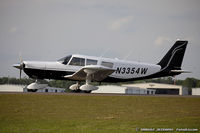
<point x="93" y="94"/>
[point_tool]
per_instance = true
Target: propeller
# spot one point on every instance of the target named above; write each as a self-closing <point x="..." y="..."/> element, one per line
<point x="20" y="66"/>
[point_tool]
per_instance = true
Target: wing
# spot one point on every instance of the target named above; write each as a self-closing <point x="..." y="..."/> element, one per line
<point x="98" y="73"/>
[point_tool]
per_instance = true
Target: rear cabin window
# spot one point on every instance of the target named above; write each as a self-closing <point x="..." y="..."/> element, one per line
<point x="91" y="62"/>
<point x="77" y="61"/>
<point x="107" y="64"/>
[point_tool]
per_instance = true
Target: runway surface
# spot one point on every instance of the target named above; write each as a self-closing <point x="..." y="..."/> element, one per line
<point x="95" y="94"/>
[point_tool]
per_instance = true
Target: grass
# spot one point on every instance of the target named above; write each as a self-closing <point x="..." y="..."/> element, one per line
<point x="33" y="113"/>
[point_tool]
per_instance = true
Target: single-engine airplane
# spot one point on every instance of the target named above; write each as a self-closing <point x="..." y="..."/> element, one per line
<point x="89" y="68"/>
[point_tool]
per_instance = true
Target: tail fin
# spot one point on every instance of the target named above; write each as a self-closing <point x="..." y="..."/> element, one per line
<point x="174" y="57"/>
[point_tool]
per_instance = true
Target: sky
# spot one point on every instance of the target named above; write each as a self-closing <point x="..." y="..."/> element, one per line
<point x="135" y="30"/>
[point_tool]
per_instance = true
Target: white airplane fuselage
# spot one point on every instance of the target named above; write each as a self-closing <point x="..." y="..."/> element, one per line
<point x="123" y="69"/>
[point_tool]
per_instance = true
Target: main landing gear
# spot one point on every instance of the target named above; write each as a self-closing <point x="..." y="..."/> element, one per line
<point x="80" y="89"/>
<point x="87" y="87"/>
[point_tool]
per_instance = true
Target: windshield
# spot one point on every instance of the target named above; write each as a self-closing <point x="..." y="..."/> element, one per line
<point x="65" y="60"/>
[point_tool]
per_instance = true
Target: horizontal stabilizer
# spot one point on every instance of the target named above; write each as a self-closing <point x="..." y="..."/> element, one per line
<point x="180" y="71"/>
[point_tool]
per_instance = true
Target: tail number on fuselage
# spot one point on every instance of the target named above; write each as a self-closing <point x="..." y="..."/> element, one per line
<point x="124" y="70"/>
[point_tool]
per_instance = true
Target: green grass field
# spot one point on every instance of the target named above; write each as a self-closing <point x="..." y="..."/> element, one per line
<point x="40" y="113"/>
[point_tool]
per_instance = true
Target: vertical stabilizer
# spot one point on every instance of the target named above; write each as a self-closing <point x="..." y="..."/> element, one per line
<point x="174" y="57"/>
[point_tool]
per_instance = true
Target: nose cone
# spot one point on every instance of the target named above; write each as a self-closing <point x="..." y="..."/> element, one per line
<point x="18" y="66"/>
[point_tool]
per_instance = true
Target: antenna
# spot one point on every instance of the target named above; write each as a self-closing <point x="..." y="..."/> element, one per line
<point x="127" y="55"/>
<point x="105" y="52"/>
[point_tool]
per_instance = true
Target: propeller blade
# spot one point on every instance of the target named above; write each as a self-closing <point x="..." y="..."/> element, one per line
<point x="20" y="58"/>
<point x="20" y="73"/>
<point x="21" y="65"/>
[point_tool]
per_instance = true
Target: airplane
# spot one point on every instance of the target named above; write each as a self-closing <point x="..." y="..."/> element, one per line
<point x="78" y="68"/>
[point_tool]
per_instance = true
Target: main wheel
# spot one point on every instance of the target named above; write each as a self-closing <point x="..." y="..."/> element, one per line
<point x="87" y="91"/>
<point x="76" y="91"/>
<point x="32" y="90"/>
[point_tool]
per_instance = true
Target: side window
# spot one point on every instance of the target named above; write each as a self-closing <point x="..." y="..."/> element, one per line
<point x="77" y="61"/>
<point x="107" y="64"/>
<point x="91" y="62"/>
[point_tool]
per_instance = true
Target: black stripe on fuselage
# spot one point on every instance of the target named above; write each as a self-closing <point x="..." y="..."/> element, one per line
<point x="47" y="74"/>
<point x="59" y="75"/>
<point x="163" y="73"/>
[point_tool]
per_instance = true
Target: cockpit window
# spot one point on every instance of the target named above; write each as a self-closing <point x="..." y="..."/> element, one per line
<point x="107" y="64"/>
<point x="65" y="60"/>
<point x="91" y="62"/>
<point x="77" y="61"/>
